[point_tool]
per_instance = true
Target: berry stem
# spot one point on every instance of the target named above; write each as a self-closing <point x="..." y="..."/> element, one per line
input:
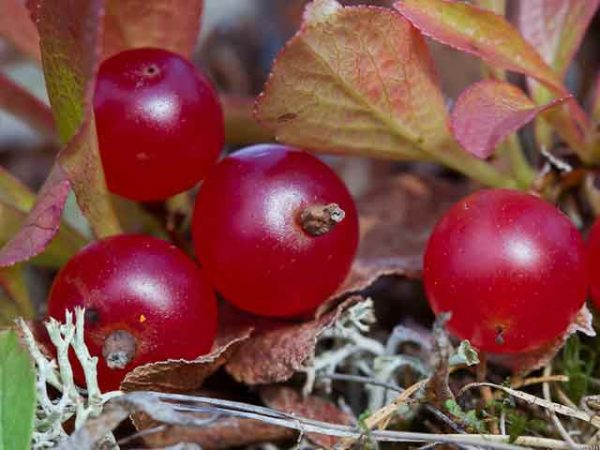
<point x="118" y="349"/>
<point x="317" y="220"/>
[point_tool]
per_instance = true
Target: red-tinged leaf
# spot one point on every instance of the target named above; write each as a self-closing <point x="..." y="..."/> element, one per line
<point x="556" y="28"/>
<point x="311" y="407"/>
<point x="16" y="200"/>
<point x="42" y="223"/>
<point x="70" y="34"/>
<point x="22" y="104"/>
<point x="16" y="26"/>
<point x="170" y="24"/>
<point x="355" y="79"/>
<point x="81" y="162"/>
<point x="488" y="111"/>
<point x="480" y="32"/>
<point x="360" y="80"/>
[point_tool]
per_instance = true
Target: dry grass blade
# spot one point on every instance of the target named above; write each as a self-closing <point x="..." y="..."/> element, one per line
<point x="533" y="400"/>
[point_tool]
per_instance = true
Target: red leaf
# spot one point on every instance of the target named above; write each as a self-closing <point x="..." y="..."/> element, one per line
<point x="17" y="27"/>
<point x="22" y="104"/>
<point x="556" y="28"/>
<point x="41" y="224"/>
<point x="480" y="32"/>
<point x="489" y="111"/>
<point x="169" y="24"/>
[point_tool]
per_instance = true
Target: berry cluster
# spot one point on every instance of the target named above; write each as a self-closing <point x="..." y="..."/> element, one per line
<point x="275" y="233"/>
<point x="275" y="229"/>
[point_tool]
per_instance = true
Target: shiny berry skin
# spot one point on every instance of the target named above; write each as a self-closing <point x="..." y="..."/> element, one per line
<point x="593" y="244"/>
<point x="510" y="268"/>
<point x="248" y="234"/>
<point x="159" y="123"/>
<point x="145" y="287"/>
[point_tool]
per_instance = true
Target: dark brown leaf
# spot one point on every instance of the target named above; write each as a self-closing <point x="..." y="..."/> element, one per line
<point x="290" y="401"/>
<point x="224" y="433"/>
<point x="277" y="349"/>
<point x="182" y="375"/>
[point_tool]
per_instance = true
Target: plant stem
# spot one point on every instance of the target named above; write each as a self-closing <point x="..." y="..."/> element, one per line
<point x="520" y="167"/>
<point x="460" y="160"/>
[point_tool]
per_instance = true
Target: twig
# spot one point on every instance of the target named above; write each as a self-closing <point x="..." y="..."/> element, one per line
<point x="555" y="420"/>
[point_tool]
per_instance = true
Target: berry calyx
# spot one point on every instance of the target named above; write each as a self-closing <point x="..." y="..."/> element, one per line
<point x="145" y="301"/>
<point x="159" y="123"/>
<point x="509" y="267"/>
<point x="275" y="230"/>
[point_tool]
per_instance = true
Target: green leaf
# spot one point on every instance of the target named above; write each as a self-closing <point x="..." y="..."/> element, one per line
<point x="17" y="394"/>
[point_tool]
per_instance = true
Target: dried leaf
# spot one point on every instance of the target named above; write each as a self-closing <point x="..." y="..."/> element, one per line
<point x="169" y="24"/>
<point x="527" y="362"/>
<point x="225" y="433"/>
<point x="488" y="111"/>
<point x="277" y="349"/>
<point x="20" y="103"/>
<point x="556" y="28"/>
<point x="356" y="79"/>
<point x="312" y="407"/>
<point x="480" y="32"/>
<point x="17" y="27"/>
<point x="181" y="375"/>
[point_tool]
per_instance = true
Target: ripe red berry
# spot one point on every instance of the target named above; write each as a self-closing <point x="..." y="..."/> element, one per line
<point x="145" y="301"/>
<point x="159" y="122"/>
<point x="593" y="242"/>
<point x="510" y="268"/>
<point x="275" y="229"/>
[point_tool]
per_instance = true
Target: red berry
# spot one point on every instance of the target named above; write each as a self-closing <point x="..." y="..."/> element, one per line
<point x="593" y="242"/>
<point x="159" y="122"/>
<point x="250" y="224"/>
<point x="142" y="293"/>
<point x="509" y="267"/>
